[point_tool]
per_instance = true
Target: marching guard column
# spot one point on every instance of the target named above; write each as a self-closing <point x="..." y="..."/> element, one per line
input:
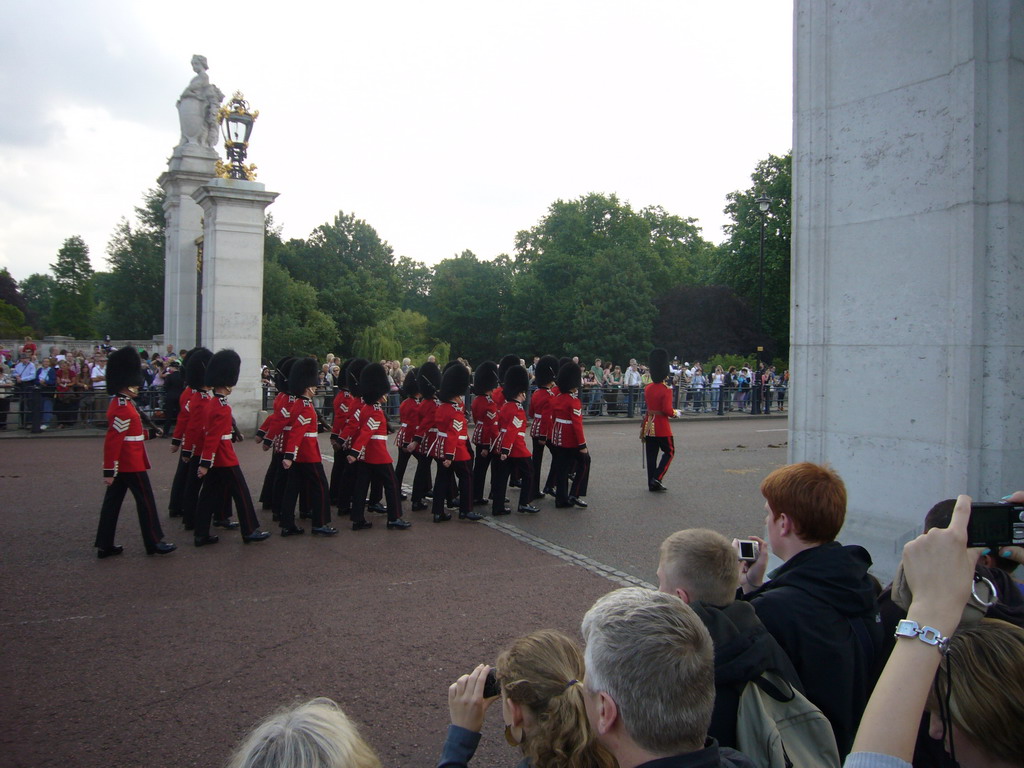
<point x="232" y="311"/>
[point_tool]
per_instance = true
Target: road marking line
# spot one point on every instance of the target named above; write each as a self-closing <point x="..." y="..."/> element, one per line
<point x="772" y="430"/>
<point x="570" y="556"/>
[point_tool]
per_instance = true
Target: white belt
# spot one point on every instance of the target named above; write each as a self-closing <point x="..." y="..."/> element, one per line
<point x="287" y="428"/>
<point x="404" y="424"/>
<point x="378" y="437"/>
<point x="134" y="438"/>
<point x="463" y="437"/>
<point x="442" y="434"/>
<point x="226" y="437"/>
<point x="563" y="421"/>
<point x="306" y="434"/>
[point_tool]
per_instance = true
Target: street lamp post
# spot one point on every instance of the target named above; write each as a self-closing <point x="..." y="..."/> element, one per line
<point x="236" y="122"/>
<point x="763" y="204"/>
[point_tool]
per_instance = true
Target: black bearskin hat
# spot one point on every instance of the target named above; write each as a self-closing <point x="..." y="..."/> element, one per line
<point x="429" y="379"/>
<point x="485" y="378"/>
<point x="284" y="365"/>
<point x="454" y="382"/>
<point x="195" y="367"/>
<point x="506" y="362"/>
<point x="517" y="381"/>
<point x="569" y="377"/>
<point x="657" y="363"/>
<point x="223" y="369"/>
<point x="410" y="385"/>
<point x="373" y="383"/>
<point x="355" y="370"/>
<point x="545" y="370"/>
<point x="341" y="380"/>
<point x="305" y="373"/>
<point x="562" y="361"/>
<point x="124" y="369"/>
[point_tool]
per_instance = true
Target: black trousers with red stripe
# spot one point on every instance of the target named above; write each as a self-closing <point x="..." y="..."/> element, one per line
<point x="382" y="476"/>
<point x="444" y="485"/>
<point x="138" y="483"/>
<point x="538" y="464"/>
<point x="570" y="461"/>
<point x="221" y="486"/>
<point x="500" y="472"/>
<point x="481" y="462"/>
<point x="656" y="469"/>
<point x="309" y="478"/>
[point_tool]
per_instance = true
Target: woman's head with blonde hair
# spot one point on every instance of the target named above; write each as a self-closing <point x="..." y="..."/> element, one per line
<point x="316" y="734"/>
<point x="542" y="673"/>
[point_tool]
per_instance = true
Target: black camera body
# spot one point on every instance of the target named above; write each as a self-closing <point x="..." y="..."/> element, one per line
<point x="996" y="524"/>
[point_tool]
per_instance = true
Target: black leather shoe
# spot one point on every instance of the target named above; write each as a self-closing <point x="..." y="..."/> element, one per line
<point x="548" y="492"/>
<point x="103" y="552"/>
<point x="399" y="525"/>
<point x="451" y="505"/>
<point x="324" y="530"/>
<point x="528" y="509"/>
<point x="360" y="525"/>
<point x="293" y="531"/>
<point x="229" y="524"/>
<point x="514" y="484"/>
<point x="540" y="495"/>
<point x="505" y="511"/>
<point x="443" y="517"/>
<point x="480" y="502"/>
<point x="578" y="502"/>
<point x="202" y="541"/>
<point x="403" y="496"/>
<point x="256" y="536"/>
<point x="470" y="516"/>
<point x="160" y="548"/>
<point x="656" y="485"/>
<point x="419" y="506"/>
<point x="379" y="508"/>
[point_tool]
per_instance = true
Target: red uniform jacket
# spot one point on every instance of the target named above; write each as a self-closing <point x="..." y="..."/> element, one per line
<point x="408" y="415"/>
<point x="452" y="436"/>
<point x="567" y="415"/>
<point x="183" y="415"/>
<point x="498" y="396"/>
<point x="123" y="448"/>
<point x="344" y="406"/>
<point x="540" y="412"/>
<point x="195" y="433"/>
<point x="218" y="449"/>
<point x="300" y="444"/>
<point x="512" y="425"/>
<point x="426" y="431"/>
<point x="370" y="442"/>
<point x="658" y="396"/>
<point x="485" y="415"/>
<point x="276" y="422"/>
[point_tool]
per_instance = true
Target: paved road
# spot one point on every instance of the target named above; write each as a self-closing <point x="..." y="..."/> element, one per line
<point x="142" y="660"/>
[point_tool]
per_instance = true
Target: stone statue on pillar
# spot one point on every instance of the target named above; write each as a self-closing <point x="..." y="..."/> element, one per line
<point x="198" y="106"/>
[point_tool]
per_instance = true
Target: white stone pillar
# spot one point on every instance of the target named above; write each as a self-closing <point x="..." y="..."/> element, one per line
<point x="232" y="310"/>
<point x="908" y="255"/>
<point x="190" y="166"/>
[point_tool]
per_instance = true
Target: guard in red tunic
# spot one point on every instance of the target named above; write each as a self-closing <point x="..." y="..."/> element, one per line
<point x="273" y="423"/>
<point x="369" y="453"/>
<point x="302" y="462"/>
<point x="429" y="380"/>
<point x="451" y="445"/>
<point x="344" y="405"/>
<point x="656" y="431"/>
<point x="174" y="506"/>
<point x="218" y="464"/>
<point x="540" y="420"/>
<point x="485" y="429"/>
<point x="125" y="461"/>
<point x="408" y="413"/>
<point x="343" y="482"/>
<point x="194" y="432"/>
<point x="568" y="440"/>
<point x="510" y="448"/>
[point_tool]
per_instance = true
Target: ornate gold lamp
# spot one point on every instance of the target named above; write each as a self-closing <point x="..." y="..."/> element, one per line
<point x="236" y="123"/>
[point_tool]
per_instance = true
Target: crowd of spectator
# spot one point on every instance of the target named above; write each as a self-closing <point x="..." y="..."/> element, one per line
<point x="65" y="387"/>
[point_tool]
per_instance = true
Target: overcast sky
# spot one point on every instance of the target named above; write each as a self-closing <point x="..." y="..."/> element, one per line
<point x="445" y="125"/>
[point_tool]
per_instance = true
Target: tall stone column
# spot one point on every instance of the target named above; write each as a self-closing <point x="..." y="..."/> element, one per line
<point x="908" y="255"/>
<point x="232" y="310"/>
<point x="190" y="166"/>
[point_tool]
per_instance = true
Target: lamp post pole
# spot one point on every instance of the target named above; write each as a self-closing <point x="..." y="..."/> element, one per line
<point x="763" y="204"/>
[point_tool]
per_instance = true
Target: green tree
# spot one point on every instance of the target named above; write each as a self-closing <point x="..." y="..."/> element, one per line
<point x="12" y="322"/>
<point x="132" y="301"/>
<point x="737" y="261"/>
<point x="469" y="299"/>
<point x="71" y="313"/>
<point x="38" y="291"/>
<point x="413" y="281"/>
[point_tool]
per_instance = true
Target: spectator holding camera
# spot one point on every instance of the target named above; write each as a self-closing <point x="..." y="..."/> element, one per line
<point x="820" y="603"/>
<point x="540" y="681"/>
<point x="970" y="682"/>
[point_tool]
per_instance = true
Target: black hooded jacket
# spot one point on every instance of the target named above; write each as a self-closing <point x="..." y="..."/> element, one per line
<point x="743" y="651"/>
<point x="820" y="606"/>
